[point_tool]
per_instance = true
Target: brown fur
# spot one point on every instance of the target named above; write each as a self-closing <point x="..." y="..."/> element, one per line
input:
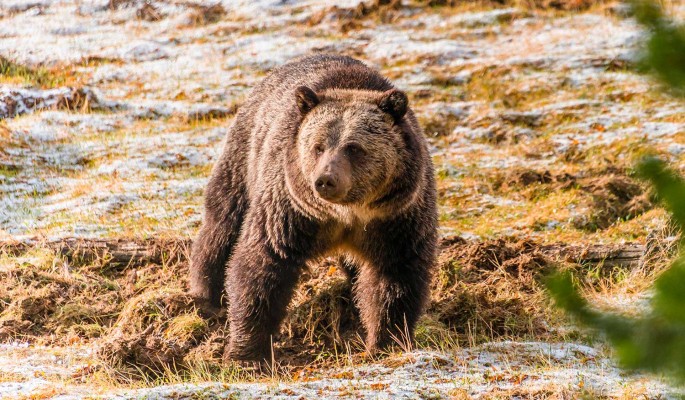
<point x="324" y="158"/>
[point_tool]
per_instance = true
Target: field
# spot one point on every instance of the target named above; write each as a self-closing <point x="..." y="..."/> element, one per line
<point x="112" y="113"/>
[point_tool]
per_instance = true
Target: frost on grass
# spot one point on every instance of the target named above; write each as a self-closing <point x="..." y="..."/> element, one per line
<point x="495" y="86"/>
<point x="18" y="101"/>
<point x="492" y="370"/>
<point x="29" y="370"/>
<point x="533" y="118"/>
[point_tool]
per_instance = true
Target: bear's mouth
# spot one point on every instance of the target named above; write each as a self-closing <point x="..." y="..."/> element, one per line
<point x="331" y="196"/>
<point x="330" y="189"/>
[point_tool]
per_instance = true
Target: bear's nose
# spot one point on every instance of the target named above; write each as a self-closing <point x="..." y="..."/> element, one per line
<point x="326" y="185"/>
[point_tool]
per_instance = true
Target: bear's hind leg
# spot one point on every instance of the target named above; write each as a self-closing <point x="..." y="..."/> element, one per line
<point x="225" y="207"/>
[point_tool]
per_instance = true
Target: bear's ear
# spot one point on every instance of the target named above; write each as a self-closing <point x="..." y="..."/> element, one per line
<point x="394" y="102"/>
<point x="306" y="99"/>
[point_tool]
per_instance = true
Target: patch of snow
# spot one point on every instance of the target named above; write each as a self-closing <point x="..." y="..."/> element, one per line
<point x="443" y="109"/>
<point x="60" y="125"/>
<point x="474" y="19"/>
<point x="661" y="129"/>
<point x="155" y="109"/>
<point x="529" y="367"/>
<point x="396" y="45"/>
<point x="676" y="149"/>
<point x="143" y="51"/>
<point x="17" y="101"/>
<point x="38" y="369"/>
<point x="189" y="156"/>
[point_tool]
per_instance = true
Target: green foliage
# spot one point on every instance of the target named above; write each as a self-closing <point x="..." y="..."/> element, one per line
<point x="40" y="77"/>
<point x="665" y="53"/>
<point x="654" y="342"/>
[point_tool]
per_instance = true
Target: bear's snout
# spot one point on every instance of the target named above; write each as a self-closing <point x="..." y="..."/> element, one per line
<point x="329" y="187"/>
<point x="332" y="179"/>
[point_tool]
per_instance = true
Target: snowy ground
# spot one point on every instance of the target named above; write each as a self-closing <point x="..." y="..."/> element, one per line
<point x="496" y="89"/>
<point x="505" y="369"/>
<point x="143" y="158"/>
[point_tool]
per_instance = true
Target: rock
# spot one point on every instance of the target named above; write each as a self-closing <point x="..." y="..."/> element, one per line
<point x="18" y="101"/>
<point x="530" y="118"/>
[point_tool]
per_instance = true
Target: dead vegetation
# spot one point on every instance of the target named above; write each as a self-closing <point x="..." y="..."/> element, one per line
<point x="529" y="182"/>
<point x="490" y="290"/>
<point x="42" y="298"/>
<point x="200" y="14"/>
<point x="155" y="330"/>
<point x="130" y="298"/>
<point x="351" y="18"/>
<point x="613" y="198"/>
<point x="148" y="12"/>
<point x="205" y="14"/>
<point x="605" y="197"/>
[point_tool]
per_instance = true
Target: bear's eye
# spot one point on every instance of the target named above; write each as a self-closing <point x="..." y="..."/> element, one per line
<point x="318" y="149"/>
<point x="354" y="150"/>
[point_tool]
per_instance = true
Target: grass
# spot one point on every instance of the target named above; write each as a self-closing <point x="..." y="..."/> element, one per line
<point x="473" y="303"/>
<point x="9" y="171"/>
<point x="156" y="301"/>
<point x="162" y="213"/>
<point x="41" y="77"/>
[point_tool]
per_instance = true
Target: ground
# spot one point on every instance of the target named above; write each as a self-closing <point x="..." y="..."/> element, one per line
<point x="113" y="111"/>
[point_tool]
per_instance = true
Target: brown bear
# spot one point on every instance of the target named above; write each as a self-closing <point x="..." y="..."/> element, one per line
<point x="324" y="158"/>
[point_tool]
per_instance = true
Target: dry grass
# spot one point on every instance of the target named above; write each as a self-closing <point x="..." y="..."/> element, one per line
<point x="148" y="331"/>
<point x="146" y="328"/>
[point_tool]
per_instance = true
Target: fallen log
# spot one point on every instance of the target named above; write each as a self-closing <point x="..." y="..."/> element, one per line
<point x="115" y="251"/>
<point x="624" y="255"/>
<point x="129" y="252"/>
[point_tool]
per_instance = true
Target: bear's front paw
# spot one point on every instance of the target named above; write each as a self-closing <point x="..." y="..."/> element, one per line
<point x="258" y="364"/>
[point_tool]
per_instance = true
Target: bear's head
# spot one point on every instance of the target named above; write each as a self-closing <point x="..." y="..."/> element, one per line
<point x="350" y="142"/>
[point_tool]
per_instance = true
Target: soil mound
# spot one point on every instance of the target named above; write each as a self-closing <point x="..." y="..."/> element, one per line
<point x="490" y="288"/>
